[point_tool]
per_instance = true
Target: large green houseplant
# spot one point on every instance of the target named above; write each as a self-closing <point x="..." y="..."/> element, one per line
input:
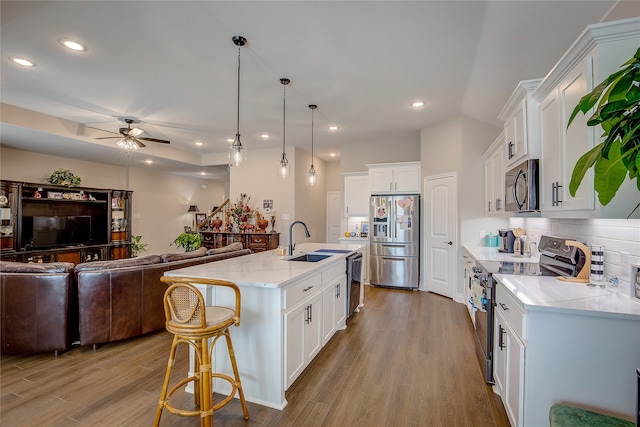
<point x="618" y="112"/>
<point x="188" y="241"/>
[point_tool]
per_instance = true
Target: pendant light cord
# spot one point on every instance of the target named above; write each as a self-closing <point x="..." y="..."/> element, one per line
<point x="312" y="136"/>
<point x="238" y="111"/>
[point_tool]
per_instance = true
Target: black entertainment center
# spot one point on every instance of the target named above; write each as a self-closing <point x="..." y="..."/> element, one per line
<point x="47" y="223"/>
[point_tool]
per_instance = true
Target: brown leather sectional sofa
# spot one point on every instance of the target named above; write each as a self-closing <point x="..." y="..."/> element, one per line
<point x="49" y="307"/>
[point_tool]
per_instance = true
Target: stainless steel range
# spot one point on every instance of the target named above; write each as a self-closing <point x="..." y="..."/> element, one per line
<point x="556" y="259"/>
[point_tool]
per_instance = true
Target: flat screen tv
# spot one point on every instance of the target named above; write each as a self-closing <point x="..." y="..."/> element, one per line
<point x="49" y="231"/>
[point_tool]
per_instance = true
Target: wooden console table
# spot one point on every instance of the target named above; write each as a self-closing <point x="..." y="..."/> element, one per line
<point x="257" y="242"/>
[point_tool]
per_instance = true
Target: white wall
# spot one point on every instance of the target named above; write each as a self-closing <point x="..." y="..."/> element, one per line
<point x="160" y="200"/>
<point x="355" y="157"/>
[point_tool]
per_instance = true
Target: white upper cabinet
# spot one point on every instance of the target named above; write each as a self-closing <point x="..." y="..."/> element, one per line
<point x="494" y="178"/>
<point x="520" y="124"/>
<point x="390" y="178"/>
<point x="356" y="194"/>
<point x="598" y="52"/>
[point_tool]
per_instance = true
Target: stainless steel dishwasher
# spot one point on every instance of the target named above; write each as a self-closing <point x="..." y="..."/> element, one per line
<point x="354" y="279"/>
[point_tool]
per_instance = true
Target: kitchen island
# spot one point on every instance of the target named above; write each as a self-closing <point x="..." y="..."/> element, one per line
<point x="290" y="309"/>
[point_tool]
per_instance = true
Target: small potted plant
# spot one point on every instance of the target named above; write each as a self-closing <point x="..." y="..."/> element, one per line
<point x="137" y="247"/>
<point x="188" y="241"/>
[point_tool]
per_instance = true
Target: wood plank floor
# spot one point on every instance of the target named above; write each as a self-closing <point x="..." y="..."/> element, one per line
<point x="407" y="359"/>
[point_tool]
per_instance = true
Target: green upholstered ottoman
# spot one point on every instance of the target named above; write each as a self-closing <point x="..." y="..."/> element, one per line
<point x="570" y="416"/>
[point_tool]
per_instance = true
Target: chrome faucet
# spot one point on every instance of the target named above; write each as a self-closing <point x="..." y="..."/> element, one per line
<point x="292" y="245"/>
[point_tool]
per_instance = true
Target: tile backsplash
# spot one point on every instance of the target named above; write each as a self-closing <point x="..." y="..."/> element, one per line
<point x="617" y="236"/>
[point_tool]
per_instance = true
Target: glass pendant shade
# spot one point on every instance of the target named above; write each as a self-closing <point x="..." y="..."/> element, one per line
<point x="283" y="167"/>
<point x="313" y="178"/>
<point x="237" y="153"/>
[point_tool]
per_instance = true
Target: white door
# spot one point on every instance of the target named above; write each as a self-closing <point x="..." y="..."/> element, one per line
<point x="334" y="214"/>
<point x="440" y="221"/>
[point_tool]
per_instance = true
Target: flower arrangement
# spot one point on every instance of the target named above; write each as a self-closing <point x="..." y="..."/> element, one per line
<point x="240" y="213"/>
<point x="64" y="177"/>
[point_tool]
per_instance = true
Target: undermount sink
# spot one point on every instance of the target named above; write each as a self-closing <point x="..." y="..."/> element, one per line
<point x="309" y="258"/>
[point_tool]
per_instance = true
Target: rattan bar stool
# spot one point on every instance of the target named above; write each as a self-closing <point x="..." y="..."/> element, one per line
<point x="195" y="324"/>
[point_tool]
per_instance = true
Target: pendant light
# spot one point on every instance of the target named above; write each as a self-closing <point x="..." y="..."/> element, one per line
<point x="237" y="153"/>
<point x="283" y="167"/>
<point x="313" y="178"/>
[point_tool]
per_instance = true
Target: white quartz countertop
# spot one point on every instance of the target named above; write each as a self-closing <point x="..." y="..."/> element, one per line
<point x="551" y="294"/>
<point x="266" y="269"/>
<point x="486" y="253"/>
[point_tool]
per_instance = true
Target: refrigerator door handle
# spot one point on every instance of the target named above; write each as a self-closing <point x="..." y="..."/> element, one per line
<point x="391" y="245"/>
<point x="393" y="259"/>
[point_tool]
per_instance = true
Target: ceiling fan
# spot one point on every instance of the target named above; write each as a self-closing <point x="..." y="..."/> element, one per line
<point x="129" y="139"/>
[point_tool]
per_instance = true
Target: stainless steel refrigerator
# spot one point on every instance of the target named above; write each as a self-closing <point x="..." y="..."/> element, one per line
<point x="394" y="237"/>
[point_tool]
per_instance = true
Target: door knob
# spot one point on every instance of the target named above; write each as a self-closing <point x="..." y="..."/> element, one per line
<point x="449" y="243"/>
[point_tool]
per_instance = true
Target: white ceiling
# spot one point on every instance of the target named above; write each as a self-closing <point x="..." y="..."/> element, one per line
<point x="173" y="65"/>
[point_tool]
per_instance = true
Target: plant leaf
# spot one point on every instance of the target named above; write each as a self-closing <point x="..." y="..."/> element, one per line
<point x="609" y="174"/>
<point x="582" y="166"/>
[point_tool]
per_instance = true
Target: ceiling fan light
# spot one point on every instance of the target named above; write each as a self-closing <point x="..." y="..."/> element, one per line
<point x="128" y="144"/>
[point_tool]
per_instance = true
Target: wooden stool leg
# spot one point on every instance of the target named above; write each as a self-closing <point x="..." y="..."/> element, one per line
<point x="167" y="377"/>
<point x="197" y="357"/>
<point x="232" y="356"/>
<point x="206" y="386"/>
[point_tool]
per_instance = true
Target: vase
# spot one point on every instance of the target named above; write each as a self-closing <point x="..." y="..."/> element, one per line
<point x="216" y="224"/>
<point x="262" y="225"/>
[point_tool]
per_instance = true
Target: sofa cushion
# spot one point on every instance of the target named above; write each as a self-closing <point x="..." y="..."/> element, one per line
<point x="179" y="256"/>
<point x="118" y="263"/>
<point x="229" y="248"/>
<point x="47" y="267"/>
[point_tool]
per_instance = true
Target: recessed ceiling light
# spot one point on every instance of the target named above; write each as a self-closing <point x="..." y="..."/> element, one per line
<point x="199" y="143"/>
<point x="230" y="139"/>
<point x="70" y="44"/>
<point x="332" y="154"/>
<point x="417" y="104"/>
<point x="22" y="61"/>
<point x="149" y="161"/>
<point x="203" y="173"/>
<point x="264" y="135"/>
<point x="333" y="127"/>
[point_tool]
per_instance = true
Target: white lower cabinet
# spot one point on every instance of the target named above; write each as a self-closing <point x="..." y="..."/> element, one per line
<point x="509" y="355"/>
<point x="303" y="336"/>
<point x="314" y="309"/>
<point x="334" y="308"/>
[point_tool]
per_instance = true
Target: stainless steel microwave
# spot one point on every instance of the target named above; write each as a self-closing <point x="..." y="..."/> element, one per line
<point x="521" y="191"/>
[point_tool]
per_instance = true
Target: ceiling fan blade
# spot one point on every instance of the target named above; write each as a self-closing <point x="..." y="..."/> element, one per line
<point x="162" y="141"/>
<point x="135" y="132"/>
<point x="140" y="144"/>
<point x="109" y="137"/>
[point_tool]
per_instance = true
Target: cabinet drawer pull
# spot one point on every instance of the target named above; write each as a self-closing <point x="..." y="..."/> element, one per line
<point x="503" y="306"/>
<point x="306" y="289"/>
